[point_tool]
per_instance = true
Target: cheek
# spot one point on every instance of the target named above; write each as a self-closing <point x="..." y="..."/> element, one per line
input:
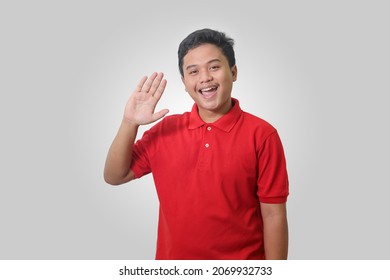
<point x="228" y="79"/>
<point x="190" y="86"/>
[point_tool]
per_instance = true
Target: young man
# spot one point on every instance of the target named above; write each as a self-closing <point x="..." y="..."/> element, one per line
<point x="220" y="173"/>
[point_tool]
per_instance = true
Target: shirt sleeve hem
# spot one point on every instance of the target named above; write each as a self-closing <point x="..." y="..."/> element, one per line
<point x="274" y="200"/>
<point x="137" y="173"/>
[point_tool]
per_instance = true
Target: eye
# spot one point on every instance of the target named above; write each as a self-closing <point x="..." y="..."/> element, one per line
<point x="193" y="72"/>
<point x="214" y="67"/>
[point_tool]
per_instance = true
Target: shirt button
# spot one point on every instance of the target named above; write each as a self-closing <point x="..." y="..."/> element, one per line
<point x="209" y="128"/>
<point x="207" y="145"/>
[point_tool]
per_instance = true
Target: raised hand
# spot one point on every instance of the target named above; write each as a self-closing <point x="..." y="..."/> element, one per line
<point x="140" y="107"/>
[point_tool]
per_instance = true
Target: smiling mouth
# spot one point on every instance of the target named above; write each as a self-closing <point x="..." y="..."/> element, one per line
<point x="208" y="92"/>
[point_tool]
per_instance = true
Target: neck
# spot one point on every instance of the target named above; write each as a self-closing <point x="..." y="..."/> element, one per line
<point x="210" y="116"/>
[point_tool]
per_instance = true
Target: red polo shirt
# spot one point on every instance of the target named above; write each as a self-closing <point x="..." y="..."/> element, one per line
<point x="210" y="179"/>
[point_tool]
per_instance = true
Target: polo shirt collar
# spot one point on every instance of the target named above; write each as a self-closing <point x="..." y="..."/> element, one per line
<point x="225" y="123"/>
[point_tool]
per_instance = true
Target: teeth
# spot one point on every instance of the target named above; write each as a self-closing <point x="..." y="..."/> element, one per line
<point x="208" y="89"/>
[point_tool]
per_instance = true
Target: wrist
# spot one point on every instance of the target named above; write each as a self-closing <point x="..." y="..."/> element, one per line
<point x="129" y="123"/>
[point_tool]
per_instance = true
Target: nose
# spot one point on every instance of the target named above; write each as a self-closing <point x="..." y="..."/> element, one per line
<point x="205" y="76"/>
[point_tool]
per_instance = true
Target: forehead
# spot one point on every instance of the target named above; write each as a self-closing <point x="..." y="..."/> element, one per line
<point x="203" y="54"/>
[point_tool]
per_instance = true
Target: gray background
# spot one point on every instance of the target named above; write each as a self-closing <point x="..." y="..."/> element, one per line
<point x="317" y="70"/>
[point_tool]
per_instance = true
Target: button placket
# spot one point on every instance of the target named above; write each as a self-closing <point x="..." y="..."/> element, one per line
<point x="206" y="148"/>
<point x="207" y="137"/>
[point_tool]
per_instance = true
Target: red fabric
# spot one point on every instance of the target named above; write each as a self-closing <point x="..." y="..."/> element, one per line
<point x="209" y="179"/>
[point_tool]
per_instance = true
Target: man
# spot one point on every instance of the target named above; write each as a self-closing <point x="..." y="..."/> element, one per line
<point x="220" y="173"/>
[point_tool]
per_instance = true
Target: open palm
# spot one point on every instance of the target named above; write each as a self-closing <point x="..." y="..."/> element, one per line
<point x="142" y="103"/>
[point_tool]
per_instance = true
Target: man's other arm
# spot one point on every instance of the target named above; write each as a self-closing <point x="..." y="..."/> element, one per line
<point x="275" y="231"/>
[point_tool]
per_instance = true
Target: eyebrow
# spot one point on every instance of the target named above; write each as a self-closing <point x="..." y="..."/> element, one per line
<point x="211" y="61"/>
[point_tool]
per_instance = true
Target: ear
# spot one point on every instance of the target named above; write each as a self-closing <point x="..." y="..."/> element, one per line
<point x="234" y="72"/>
<point x="185" y="88"/>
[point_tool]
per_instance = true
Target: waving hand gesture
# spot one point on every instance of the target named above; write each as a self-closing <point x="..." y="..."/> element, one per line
<point x="142" y="103"/>
<point x="139" y="110"/>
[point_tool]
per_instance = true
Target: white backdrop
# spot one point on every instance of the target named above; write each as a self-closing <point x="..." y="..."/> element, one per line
<point x="317" y="70"/>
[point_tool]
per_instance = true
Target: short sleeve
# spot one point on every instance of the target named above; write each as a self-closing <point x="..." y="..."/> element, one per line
<point x="272" y="181"/>
<point x="140" y="163"/>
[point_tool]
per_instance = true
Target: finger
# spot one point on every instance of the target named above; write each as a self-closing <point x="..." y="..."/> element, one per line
<point x="156" y="83"/>
<point x="149" y="82"/>
<point x="141" y="83"/>
<point x="160" y="89"/>
<point x="160" y="114"/>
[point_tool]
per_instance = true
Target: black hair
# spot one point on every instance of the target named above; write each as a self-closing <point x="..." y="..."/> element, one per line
<point x="207" y="36"/>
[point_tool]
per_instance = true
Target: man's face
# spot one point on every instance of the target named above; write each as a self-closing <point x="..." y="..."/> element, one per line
<point x="209" y="80"/>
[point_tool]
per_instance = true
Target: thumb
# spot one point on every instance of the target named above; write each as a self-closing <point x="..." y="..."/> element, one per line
<point x="160" y="114"/>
